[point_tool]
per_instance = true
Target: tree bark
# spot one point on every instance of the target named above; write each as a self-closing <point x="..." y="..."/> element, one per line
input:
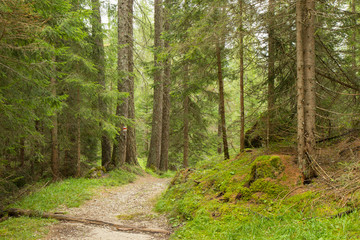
<point x="242" y="105"/>
<point x="221" y="101"/>
<point x="165" y="135"/>
<point x="22" y="152"/>
<point x="271" y="71"/>
<point x="54" y="138"/>
<point x="119" y="155"/>
<point x="306" y="102"/>
<point x="99" y="60"/>
<point x="219" y="133"/>
<point x="186" y="117"/>
<point x="155" y="142"/>
<point x="355" y="121"/>
<point x="131" y="157"/>
<point x="78" y="138"/>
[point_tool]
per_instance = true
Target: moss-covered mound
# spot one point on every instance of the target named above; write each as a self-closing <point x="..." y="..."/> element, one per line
<point x="251" y="198"/>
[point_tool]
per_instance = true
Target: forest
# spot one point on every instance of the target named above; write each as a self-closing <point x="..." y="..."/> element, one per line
<point x="125" y="87"/>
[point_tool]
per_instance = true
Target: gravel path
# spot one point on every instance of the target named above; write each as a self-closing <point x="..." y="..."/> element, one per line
<point x="130" y="204"/>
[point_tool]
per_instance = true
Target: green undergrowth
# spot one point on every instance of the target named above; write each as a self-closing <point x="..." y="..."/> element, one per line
<point x="68" y="193"/>
<point x="249" y="198"/>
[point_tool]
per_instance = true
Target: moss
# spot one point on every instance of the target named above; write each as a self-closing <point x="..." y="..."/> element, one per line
<point x="270" y="188"/>
<point x="96" y="172"/>
<point x="265" y="167"/>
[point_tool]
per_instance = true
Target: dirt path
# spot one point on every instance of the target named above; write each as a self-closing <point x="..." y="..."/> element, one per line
<point x="131" y="204"/>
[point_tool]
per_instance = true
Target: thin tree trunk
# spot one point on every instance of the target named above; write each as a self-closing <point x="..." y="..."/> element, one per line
<point x="54" y="138"/>
<point x="155" y="142"/>
<point x="242" y="106"/>
<point x="78" y="137"/>
<point x="305" y="43"/>
<point x="300" y="85"/>
<point x="22" y="152"/>
<point x="219" y="133"/>
<point x="310" y="91"/>
<point x="186" y="117"/>
<point x="271" y="71"/>
<point x="221" y="101"/>
<point x="99" y="60"/>
<point x="165" y="135"/>
<point x="353" y="10"/>
<point x="131" y="157"/>
<point x="353" y="51"/>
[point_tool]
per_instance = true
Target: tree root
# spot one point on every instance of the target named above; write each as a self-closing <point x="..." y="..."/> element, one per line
<point x="20" y="212"/>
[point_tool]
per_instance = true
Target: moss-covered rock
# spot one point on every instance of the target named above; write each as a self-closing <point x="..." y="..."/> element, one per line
<point x="265" y="167"/>
<point x="96" y="172"/>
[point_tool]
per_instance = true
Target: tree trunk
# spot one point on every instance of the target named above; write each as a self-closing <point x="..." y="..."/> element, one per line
<point x="165" y="135"/>
<point x="131" y="157"/>
<point x="242" y="107"/>
<point x="219" y="133"/>
<point x="221" y="101"/>
<point x="355" y="120"/>
<point x="123" y="81"/>
<point x="306" y="102"/>
<point x="78" y="138"/>
<point x="271" y="71"/>
<point x="186" y="117"/>
<point x="99" y="60"/>
<point x="22" y="152"/>
<point x="155" y="142"/>
<point x="68" y="168"/>
<point x="54" y="138"/>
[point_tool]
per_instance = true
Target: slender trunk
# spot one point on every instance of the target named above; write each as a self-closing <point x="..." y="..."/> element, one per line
<point x="221" y="101"/>
<point x="242" y="107"/>
<point x="22" y="152"/>
<point x="165" y="135"/>
<point x="99" y="60"/>
<point x="306" y="103"/>
<point x="310" y="91"/>
<point x="54" y="138"/>
<point x="300" y="85"/>
<point x="155" y="142"/>
<point x="131" y="157"/>
<point x="78" y="137"/>
<point x="353" y="51"/>
<point x="219" y="132"/>
<point x="271" y="73"/>
<point x="186" y="117"/>
<point x="353" y="10"/>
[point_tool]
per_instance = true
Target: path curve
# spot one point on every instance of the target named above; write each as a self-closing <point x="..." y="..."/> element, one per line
<point x="131" y="204"/>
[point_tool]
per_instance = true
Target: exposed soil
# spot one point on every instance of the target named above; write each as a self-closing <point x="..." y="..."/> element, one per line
<point x="131" y="204"/>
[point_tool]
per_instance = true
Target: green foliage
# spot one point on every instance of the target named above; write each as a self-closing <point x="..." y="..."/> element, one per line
<point x="216" y="201"/>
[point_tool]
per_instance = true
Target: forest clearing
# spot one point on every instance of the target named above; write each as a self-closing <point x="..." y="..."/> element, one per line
<point x="183" y="119"/>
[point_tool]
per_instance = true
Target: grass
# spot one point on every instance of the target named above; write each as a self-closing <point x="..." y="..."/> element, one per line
<point x="221" y="200"/>
<point x="68" y="193"/>
<point x="24" y="228"/>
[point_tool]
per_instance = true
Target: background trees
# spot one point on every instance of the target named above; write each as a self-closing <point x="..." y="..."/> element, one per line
<point x="75" y="73"/>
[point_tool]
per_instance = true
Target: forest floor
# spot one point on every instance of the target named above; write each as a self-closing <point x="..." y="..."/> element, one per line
<point x="131" y="204"/>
